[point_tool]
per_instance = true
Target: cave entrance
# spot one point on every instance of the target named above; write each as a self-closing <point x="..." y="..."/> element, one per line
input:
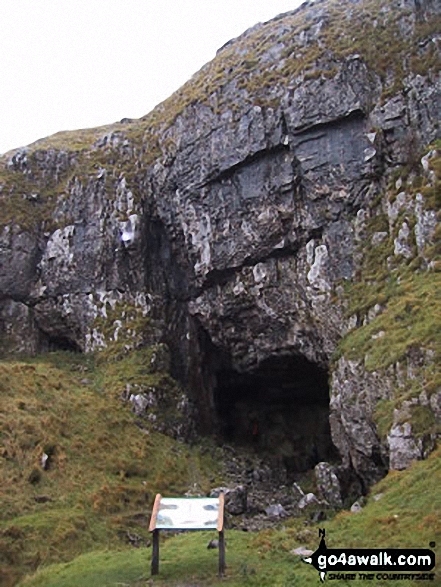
<point x="62" y="343"/>
<point x="281" y="408"/>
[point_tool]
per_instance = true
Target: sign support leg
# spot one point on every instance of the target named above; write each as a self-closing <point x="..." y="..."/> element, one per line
<point x="155" y="553"/>
<point x="221" y="554"/>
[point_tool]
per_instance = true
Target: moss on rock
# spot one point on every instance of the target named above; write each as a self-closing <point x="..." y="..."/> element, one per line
<point x="396" y="303"/>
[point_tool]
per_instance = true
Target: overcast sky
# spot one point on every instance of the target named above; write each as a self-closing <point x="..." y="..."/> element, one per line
<point x="68" y="64"/>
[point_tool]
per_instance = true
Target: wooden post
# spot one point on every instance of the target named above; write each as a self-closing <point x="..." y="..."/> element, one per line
<point x="152" y="528"/>
<point x="155" y="553"/>
<point x="155" y="512"/>
<point x="220" y="528"/>
<point x="221" y="554"/>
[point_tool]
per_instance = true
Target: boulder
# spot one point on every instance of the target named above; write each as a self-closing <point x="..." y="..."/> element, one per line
<point x="302" y="551"/>
<point x="235" y="498"/>
<point x="276" y="511"/>
<point x="307" y="501"/>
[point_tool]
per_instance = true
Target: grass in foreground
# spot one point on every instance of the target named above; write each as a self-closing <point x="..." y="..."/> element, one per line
<point x="407" y="515"/>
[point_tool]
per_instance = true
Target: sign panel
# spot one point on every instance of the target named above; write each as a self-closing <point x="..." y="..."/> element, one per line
<point x="180" y="513"/>
<point x="187" y="513"/>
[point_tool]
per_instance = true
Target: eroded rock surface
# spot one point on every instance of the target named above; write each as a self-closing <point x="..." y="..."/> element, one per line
<point x="229" y="222"/>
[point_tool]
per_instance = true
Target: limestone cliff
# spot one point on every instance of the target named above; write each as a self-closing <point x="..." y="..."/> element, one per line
<point x="274" y="222"/>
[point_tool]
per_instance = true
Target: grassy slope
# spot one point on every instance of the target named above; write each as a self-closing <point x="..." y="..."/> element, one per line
<point x="69" y="406"/>
<point x="104" y="471"/>
<point x="407" y="515"/>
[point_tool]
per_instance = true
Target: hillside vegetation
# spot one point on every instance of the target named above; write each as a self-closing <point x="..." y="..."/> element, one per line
<point x="405" y="294"/>
<point x="83" y="520"/>
<point x="102" y="473"/>
<point x="405" y="515"/>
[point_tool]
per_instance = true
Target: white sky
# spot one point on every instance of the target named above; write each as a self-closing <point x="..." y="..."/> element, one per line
<point x="68" y="64"/>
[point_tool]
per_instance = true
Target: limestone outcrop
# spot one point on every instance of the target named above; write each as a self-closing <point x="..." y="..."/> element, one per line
<point x="283" y="204"/>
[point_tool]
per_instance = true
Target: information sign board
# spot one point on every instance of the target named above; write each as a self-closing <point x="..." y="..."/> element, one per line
<point x="180" y="513"/>
<point x="187" y="513"/>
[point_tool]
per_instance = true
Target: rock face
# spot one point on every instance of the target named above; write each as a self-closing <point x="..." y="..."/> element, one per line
<point x="328" y="484"/>
<point x="235" y="223"/>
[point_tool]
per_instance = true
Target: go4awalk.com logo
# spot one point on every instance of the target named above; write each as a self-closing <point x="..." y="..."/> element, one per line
<point x="372" y="563"/>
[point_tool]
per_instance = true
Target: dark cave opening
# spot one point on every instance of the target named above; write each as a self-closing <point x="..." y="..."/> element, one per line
<point x="281" y="408"/>
<point x="61" y="343"/>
